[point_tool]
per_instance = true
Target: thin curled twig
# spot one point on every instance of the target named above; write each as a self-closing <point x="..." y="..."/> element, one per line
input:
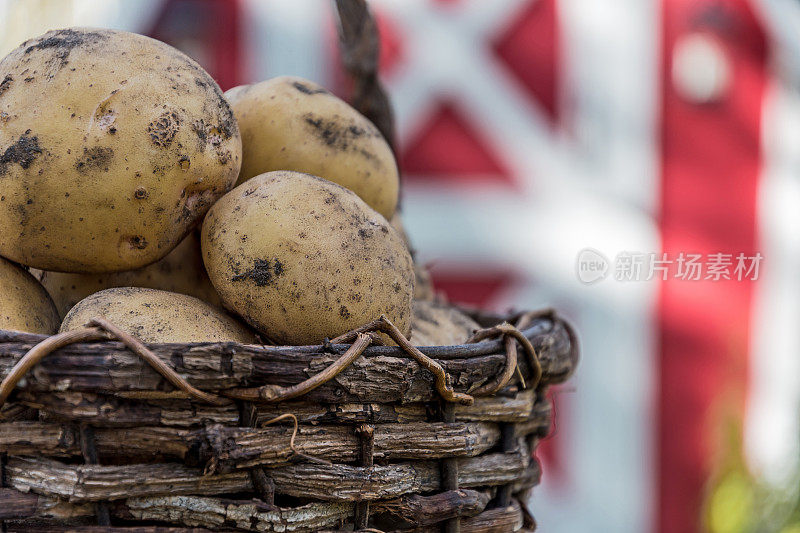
<point x="522" y="323"/>
<point x="137" y="347"/>
<point x="443" y="385"/>
<point x="512" y="334"/>
<point x="276" y="393"/>
<point x="40" y="351"/>
<point x="213" y="464"/>
<point x="361" y="337"/>
<point x="295" y="451"/>
<point x="100" y="329"/>
<point x="527" y="347"/>
<point x="511" y="367"/>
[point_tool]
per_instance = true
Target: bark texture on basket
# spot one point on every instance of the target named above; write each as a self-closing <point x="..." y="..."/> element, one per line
<point x="383" y="375"/>
<point x="408" y="511"/>
<point x="233" y="447"/>
<point x="107" y="410"/>
<point x="49" y="528"/>
<point x="173" y="410"/>
<point x="501" y="520"/>
<point x="417" y="510"/>
<point x="334" y="482"/>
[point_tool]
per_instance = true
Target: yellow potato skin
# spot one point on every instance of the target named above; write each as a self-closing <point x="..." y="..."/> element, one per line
<point x="24" y="304"/>
<point x="158" y="316"/>
<point x="423" y="285"/>
<point x="112" y="147"/>
<point x="181" y="271"/>
<point x="289" y="123"/>
<point x="301" y="259"/>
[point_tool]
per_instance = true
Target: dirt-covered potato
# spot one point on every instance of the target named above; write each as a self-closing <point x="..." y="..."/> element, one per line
<point x="180" y="271"/>
<point x="24" y="304"/>
<point x="289" y="123"/>
<point x="423" y="285"/>
<point x="397" y="223"/>
<point x="158" y="316"/>
<point x="301" y="258"/>
<point x="112" y="146"/>
<point x="439" y="324"/>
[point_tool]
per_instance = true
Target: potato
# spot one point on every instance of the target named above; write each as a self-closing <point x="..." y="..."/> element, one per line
<point x="439" y="324"/>
<point x="423" y="285"/>
<point x="112" y="146"/>
<point x="24" y="304"/>
<point x="158" y="316"/>
<point x="289" y="123"/>
<point x="397" y="223"/>
<point x="180" y="271"/>
<point x="301" y="258"/>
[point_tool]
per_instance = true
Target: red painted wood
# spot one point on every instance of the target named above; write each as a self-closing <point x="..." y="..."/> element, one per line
<point x="710" y="164"/>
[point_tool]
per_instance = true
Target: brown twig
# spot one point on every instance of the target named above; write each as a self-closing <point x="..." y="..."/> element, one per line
<point x="509" y="370"/>
<point x="366" y="438"/>
<point x="294" y="449"/>
<point x="443" y="385"/>
<point x="276" y="393"/>
<point x="521" y="378"/>
<point x="263" y="485"/>
<point x="99" y="329"/>
<point x="361" y="338"/>
<point x="40" y="351"/>
<point x="350" y="336"/>
<point x="512" y="333"/>
<point x="136" y="346"/>
<point x="449" y="472"/>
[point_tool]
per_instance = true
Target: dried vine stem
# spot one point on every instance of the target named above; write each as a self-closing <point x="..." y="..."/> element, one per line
<point x="384" y="325"/>
<point x="276" y="393"/>
<point x="100" y="329"/>
<point x="137" y="347"/>
<point x="509" y="370"/>
<point x="508" y="330"/>
<point x="511" y="367"/>
<point x="40" y="351"/>
<point x="297" y="453"/>
<point x="213" y="464"/>
<point x="362" y="337"/>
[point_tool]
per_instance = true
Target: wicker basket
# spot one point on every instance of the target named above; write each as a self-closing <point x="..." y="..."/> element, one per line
<point x="103" y="433"/>
<point x="95" y="434"/>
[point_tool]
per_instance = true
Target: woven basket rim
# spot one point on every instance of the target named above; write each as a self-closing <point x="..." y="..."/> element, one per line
<point x="442" y="352"/>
